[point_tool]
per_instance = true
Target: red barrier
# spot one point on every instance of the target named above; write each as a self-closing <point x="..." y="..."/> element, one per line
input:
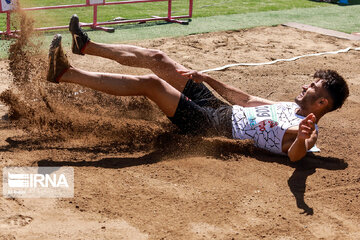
<point x="7" y="6"/>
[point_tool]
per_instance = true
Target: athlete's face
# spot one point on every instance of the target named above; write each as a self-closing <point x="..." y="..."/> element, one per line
<point x="310" y="93"/>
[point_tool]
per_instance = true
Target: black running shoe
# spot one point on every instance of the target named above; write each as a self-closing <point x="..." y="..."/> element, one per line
<point x="79" y="37"/>
<point x="58" y="62"/>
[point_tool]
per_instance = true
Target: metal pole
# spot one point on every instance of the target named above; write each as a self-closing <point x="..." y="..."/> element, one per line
<point x="190" y="8"/>
<point x="169" y="9"/>
<point x="95" y="16"/>
<point x="8" y="23"/>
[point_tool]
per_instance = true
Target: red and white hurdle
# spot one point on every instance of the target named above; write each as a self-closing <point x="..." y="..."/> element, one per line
<point x="8" y="6"/>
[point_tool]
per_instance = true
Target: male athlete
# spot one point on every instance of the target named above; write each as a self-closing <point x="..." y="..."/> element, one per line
<point x="280" y="127"/>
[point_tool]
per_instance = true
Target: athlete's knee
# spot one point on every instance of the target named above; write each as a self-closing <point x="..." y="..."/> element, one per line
<point x="152" y="85"/>
<point x="151" y="81"/>
<point x="157" y="55"/>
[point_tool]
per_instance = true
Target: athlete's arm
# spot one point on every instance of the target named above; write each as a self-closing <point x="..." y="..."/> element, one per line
<point x="305" y="140"/>
<point x="231" y="94"/>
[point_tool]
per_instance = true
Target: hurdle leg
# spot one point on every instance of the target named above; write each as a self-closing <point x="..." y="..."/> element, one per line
<point x="95" y="23"/>
<point x="8" y="23"/>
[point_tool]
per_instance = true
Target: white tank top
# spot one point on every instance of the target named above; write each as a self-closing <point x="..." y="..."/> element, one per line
<point x="266" y="124"/>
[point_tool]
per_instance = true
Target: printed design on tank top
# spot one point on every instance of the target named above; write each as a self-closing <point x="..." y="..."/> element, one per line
<point x="265" y="124"/>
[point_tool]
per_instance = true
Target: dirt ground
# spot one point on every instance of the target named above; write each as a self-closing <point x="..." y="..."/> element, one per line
<point x="173" y="187"/>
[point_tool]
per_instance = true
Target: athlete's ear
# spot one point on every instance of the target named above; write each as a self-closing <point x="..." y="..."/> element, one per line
<point x="323" y="102"/>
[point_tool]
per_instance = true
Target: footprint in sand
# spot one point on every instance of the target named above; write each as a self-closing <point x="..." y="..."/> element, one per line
<point x="18" y="220"/>
<point x="7" y="237"/>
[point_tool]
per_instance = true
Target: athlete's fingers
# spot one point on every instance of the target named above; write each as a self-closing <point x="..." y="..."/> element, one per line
<point x="311" y="124"/>
<point x="306" y="134"/>
<point x="305" y="127"/>
<point x="311" y="117"/>
<point x="185" y="72"/>
<point x="191" y="74"/>
<point x="306" y="131"/>
<point x="304" y="122"/>
<point x="309" y="121"/>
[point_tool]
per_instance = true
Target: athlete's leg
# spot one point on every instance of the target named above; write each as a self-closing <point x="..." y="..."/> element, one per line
<point x="151" y="86"/>
<point x="157" y="61"/>
<point x="163" y="66"/>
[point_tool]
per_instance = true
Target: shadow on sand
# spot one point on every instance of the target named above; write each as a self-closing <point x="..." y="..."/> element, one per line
<point x="305" y="168"/>
<point x="173" y="146"/>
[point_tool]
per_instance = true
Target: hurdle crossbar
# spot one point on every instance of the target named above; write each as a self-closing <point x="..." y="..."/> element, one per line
<point x="97" y="25"/>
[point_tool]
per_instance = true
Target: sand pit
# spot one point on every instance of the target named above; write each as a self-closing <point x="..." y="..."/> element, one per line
<point x="136" y="178"/>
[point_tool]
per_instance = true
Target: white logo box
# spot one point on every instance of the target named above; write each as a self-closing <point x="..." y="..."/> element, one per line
<point x="7" y="5"/>
<point x="38" y="182"/>
<point x="93" y="2"/>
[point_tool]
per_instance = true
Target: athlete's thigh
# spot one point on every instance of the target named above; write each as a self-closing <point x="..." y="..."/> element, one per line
<point x="167" y="68"/>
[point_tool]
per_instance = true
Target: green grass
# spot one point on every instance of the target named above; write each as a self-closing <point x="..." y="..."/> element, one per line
<point x="346" y="19"/>
<point x="340" y="18"/>
<point x="202" y="8"/>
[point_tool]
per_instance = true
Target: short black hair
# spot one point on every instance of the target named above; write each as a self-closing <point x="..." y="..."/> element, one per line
<point x="335" y="85"/>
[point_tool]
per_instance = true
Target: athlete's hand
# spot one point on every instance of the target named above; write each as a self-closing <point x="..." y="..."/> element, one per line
<point x="193" y="74"/>
<point x="306" y="127"/>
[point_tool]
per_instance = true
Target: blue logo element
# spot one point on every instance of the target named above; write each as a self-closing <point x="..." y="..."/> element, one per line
<point x="252" y="122"/>
<point x="8" y="1"/>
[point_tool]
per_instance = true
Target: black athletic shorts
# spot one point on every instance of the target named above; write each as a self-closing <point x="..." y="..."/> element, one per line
<point x="199" y="112"/>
